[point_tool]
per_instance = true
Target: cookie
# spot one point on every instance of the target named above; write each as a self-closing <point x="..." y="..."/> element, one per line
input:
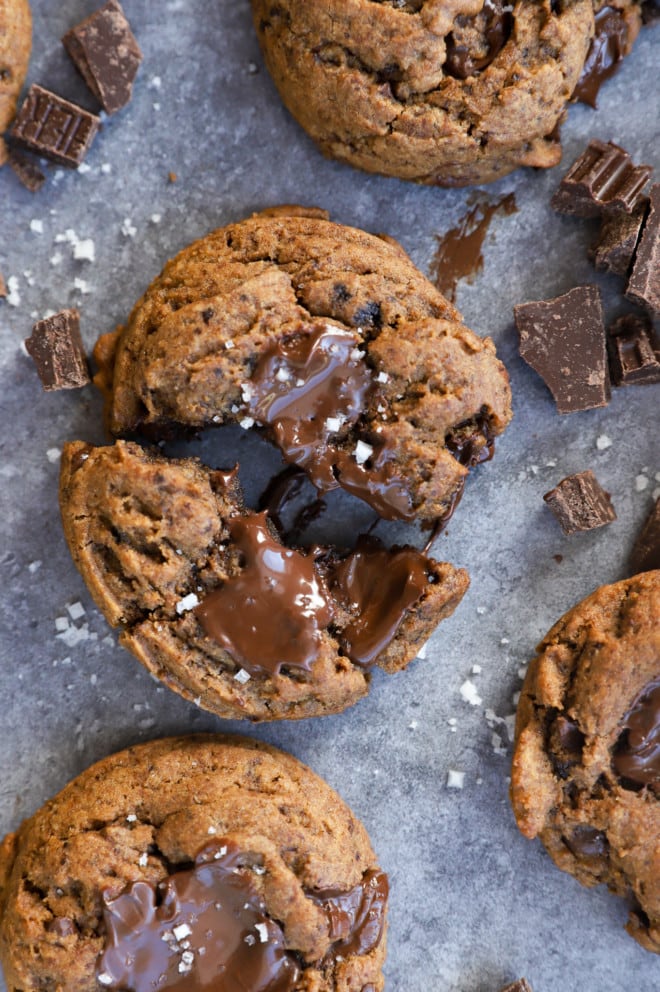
<point x="211" y="861"/>
<point x="212" y="603"/>
<point x="586" y="765"/>
<point x="329" y="341"/>
<point x="438" y="92"/>
<point x="15" y="47"/>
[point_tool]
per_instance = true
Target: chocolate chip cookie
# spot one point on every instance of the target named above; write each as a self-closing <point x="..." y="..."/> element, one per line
<point x="15" y="47"/>
<point x="214" y="605"/>
<point x="446" y="92"/>
<point x="326" y="339"/>
<point x="192" y="863"/>
<point x="586" y="767"/>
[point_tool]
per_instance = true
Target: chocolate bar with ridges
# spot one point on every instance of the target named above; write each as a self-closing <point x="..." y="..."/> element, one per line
<point x="634" y="351"/>
<point x="602" y="178"/>
<point x="54" y="128"/>
<point x="644" y="283"/>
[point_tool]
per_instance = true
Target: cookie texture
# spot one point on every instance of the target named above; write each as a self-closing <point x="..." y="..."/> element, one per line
<point x="168" y="553"/>
<point x="446" y="93"/>
<point x="417" y="397"/>
<point x="136" y="819"/>
<point x="15" y="48"/>
<point x="586" y="765"/>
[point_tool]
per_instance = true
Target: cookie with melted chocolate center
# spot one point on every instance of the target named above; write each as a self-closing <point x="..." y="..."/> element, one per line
<point x="586" y="766"/>
<point x="443" y="92"/>
<point x="15" y="48"/>
<point x="189" y="863"/>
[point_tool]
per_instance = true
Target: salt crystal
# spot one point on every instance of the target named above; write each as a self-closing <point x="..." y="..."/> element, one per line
<point x="363" y="452"/>
<point x="53" y="455"/>
<point x="382" y="377"/>
<point x="262" y="930"/>
<point x="469" y="693"/>
<point x="34" y="566"/>
<point x="242" y="676"/>
<point x="211" y="830"/>
<point x="13" y="295"/>
<point x="56" y="258"/>
<point x="76" y="610"/>
<point x="61" y="623"/>
<point x="641" y="483"/>
<point x="603" y="442"/>
<point x="84" y="250"/>
<point x="131" y="818"/>
<point x="412" y="725"/>
<point x="188" y="602"/>
<point x="229" y="344"/>
<point x="476" y="669"/>
<point x="143" y="860"/>
<point x="128" y="229"/>
<point x="250" y="939"/>
<point x="333" y="424"/>
<point x="182" y="931"/>
<point x="455" y="780"/>
<point x="82" y="285"/>
<point x="37" y="226"/>
<point x="246" y="423"/>
<point x="106" y="168"/>
<point x="104" y="978"/>
<point x="423" y="650"/>
<point x="282" y="374"/>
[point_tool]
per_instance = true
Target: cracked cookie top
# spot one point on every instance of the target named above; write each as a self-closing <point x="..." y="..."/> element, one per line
<point x="586" y="767"/>
<point x="190" y="859"/>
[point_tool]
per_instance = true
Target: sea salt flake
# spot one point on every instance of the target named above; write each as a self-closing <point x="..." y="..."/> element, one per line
<point x="469" y="693"/>
<point x="182" y="931"/>
<point x="262" y="930"/>
<point x="211" y="830"/>
<point x="282" y="374"/>
<point x="242" y="676"/>
<point x="188" y="602"/>
<point x="104" y="978"/>
<point x="363" y="452"/>
<point x="82" y="286"/>
<point x="53" y="455"/>
<point x="131" y="818"/>
<point x="250" y="939"/>
<point x="37" y="226"/>
<point x="84" y="250"/>
<point x="246" y="423"/>
<point x="641" y="483"/>
<point x="76" y="610"/>
<point x="61" y="623"/>
<point x="13" y="295"/>
<point x="455" y="780"/>
<point x="333" y="424"/>
<point x="603" y="442"/>
<point x="128" y="229"/>
<point x="247" y="391"/>
<point x="382" y="377"/>
<point x="143" y="860"/>
<point x="476" y="669"/>
<point x="229" y="344"/>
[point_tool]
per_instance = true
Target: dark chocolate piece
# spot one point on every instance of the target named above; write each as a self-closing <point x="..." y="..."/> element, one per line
<point x="636" y="757"/>
<point x="205" y="927"/>
<point x="645" y="554"/>
<point x="614" y="249"/>
<point x="650" y="11"/>
<point x="608" y="47"/>
<point x="54" y="128"/>
<point x="57" y="350"/>
<point x="588" y="844"/>
<point x="603" y="177"/>
<point x="355" y="918"/>
<point x="644" y="283"/>
<point x="28" y="172"/>
<point x="461" y="62"/>
<point x="106" y="54"/>
<point x="634" y="351"/>
<point x="580" y="503"/>
<point x="522" y="985"/>
<point x="564" y="341"/>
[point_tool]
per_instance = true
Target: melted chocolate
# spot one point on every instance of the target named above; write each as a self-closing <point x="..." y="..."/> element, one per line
<point x="461" y="62"/>
<point x="377" y="481"/>
<point x="473" y="445"/>
<point x="637" y="752"/>
<point x="203" y="930"/>
<point x="355" y="918"/>
<point x="378" y="587"/>
<point x="607" y="49"/>
<point x="279" y="498"/>
<point x="271" y="614"/>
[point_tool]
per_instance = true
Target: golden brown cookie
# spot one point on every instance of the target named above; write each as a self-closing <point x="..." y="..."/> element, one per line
<point x="214" y="605"/>
<point x="586" y="767"/>
<point x="445" y="92"/>
<point x="15" y="47"/>
<point x="329" y="341"/>
<point x="202" y="859"/>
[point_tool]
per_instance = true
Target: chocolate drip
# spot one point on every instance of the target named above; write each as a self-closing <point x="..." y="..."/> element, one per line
<point x="607" y="49"/>
<point x="472" y="443"/>
<point x="272" y="613"/>
<point x="202" y="930"/>
<point x="378" y="587"/>
<point x="498" y="24"/>
<point x="636" y="757"/>
<point x="355" y="918"/>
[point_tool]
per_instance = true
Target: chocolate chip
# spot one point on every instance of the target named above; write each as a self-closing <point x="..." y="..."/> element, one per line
<point x="580" y="503"/>
<point x="54" y="128"/>
<point x="603" y="177"/>
<point x="588" y="844"/>
<point x="58" y="352"/>
<point x="564" y="341"/>
<point x="28" y="172"/>
<point x="645" y="554"/>
<point x="614" y="249"/>
<point x="634" y="351"/>
<point x="644" y="283"/>
<point x="106" y="54"/>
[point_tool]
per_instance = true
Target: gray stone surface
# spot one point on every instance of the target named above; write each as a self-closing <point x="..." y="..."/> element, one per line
<point x="473" y="904"/>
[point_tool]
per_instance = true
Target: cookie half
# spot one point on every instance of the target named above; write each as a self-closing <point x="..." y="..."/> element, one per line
<point x="214" y="605"/>
<point x="15" y="48"/>
<point x="326" y="339"/>
<point x="586" y="765"/>
<point x="190" y="862"/>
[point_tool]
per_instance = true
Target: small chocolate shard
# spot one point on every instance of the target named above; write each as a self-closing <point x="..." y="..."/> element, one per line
<point x="644" y="283"/>
<point x="28" y="172"/>
<point x="634" y="351"/>
<point x="564" y="341"/>
<point x="609" y="44"/>
<point x="614" y="249"/>
<point x="602" y="178"/>
<point x="57" y="350"/>
<point x="645" y="555"/>
<point x="106" y="54"/>
<point x="580" y="503"/>
<point x="522" y="985"/>
<point x="54" y="128"/>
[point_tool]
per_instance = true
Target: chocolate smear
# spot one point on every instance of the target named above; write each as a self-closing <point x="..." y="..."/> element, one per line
<point x="355" y="918"/>
<point x="54" y="127"/>
<point x="644" y="282"/>
<point x="603" y="177"/>
<point x="580" y="503"/>
<point x="645" y="554"/>
<point x="634" y="350"/>
<point x="204" y="929"/>
<point x="636" y="757"/>
<point x="496" y="22"/>
<point x="58" y="352"/>
<point x="609" y="45"/>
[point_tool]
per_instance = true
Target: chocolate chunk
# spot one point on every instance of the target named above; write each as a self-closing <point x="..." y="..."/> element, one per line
<point x="609" y="45"/>
<point x="58" y="352"/>
<point x="603" y="177"/>
<point x="588" y="844"/>
<point x="28" y="172"/>
<point x="580" y="503"/>
<point x="645" y="554"/>
<point x="634" y="351"/>
<point x="106" y="54"/>
<point x="644" y="283"/>
<point x="614" y="249"/>
<point x="54" y="128"/>
<point x="636" y="757"/>
<point x="564" y="341"/>
<point x="522" y="985"/>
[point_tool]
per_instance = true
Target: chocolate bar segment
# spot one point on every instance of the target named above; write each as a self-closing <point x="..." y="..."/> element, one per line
<point x="564" y="341"/>
<point x="603" y="177"/>
<point x="54" y="128"/>
<point x="644" y="283"/>
<point x="28" y="172"/>
<point x="634" y="351"/>
<point x="619" y="233"/>
<point x="58" y="352"/>
<point x="645" y="554"/>
<point x="580" y="503"/>
<point x="106" y="54"/>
